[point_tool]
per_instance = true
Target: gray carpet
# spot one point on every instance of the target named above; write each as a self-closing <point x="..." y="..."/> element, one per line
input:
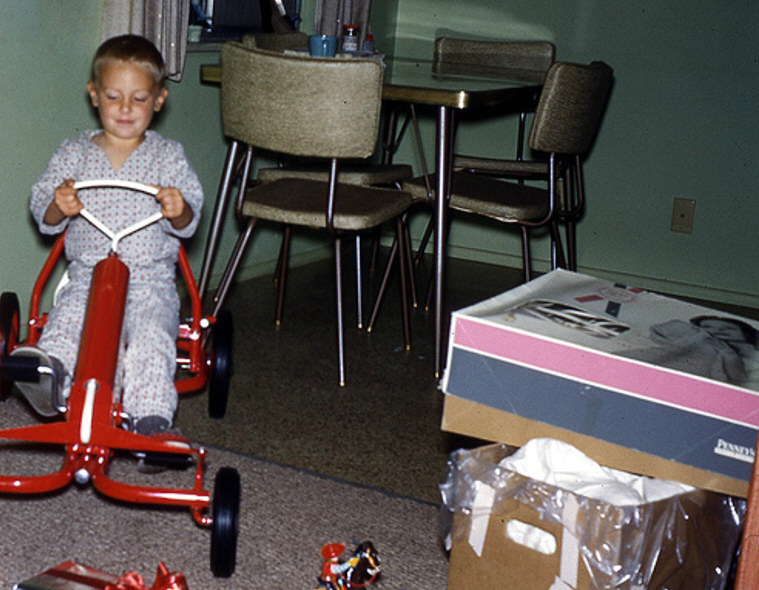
<point x="375" y="444"/>
<point x="383" y="428"/>
<point x="286" y="515"/>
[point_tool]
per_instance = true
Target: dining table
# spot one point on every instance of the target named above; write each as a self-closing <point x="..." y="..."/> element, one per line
<point x="448" y="90"/>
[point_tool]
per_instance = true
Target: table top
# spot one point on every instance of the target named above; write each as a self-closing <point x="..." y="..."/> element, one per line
<point x="424" y="82"/>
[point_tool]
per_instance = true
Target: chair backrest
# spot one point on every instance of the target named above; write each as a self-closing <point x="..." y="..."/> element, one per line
<point x="570" y="108"/>
<point x="276" y="41"/>
<point x="300" y="105"/>
<point x="508" y="57"/>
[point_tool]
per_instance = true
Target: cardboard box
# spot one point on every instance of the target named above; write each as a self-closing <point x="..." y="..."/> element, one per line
<point x="687" y="541"/>
<point x="623" y="374"/>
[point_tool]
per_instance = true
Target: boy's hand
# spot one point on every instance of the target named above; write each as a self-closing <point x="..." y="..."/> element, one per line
<point x="174" y="207"/>
<point x="65" y="203"/>
<point x="66" y="200"/>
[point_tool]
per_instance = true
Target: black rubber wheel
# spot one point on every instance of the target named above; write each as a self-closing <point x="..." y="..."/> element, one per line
<point x="8" y="322"/>
<point x="9" y="326"/>
<point x="226" y="511"/>
<point x="221" y="365"/>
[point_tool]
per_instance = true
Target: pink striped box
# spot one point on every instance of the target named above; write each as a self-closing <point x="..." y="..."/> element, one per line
<point x="638" y="381"/>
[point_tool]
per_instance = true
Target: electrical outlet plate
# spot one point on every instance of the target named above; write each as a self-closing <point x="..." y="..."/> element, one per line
<point x="682" y="215"/>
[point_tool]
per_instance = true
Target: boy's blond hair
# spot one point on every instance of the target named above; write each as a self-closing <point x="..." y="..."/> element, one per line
<point x="133" y="49"/>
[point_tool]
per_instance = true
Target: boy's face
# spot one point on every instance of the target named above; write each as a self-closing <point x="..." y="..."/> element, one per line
<point x="126" y="97"/>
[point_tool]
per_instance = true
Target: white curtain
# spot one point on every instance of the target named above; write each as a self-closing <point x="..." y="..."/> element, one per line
<point x="164" y="22"/>
<point x="331" y="15"/>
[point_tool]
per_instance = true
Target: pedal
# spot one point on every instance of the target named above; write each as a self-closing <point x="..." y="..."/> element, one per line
<point x="155" y="461"/>
<point x="166" y="460"/>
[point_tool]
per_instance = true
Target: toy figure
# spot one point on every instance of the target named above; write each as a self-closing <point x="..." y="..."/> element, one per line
<point x="359" y="571"/>
<point x="332" y="568"/>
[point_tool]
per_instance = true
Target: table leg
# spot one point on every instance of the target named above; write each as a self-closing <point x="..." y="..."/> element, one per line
<point x="444" y="160"/>
<point x="214" y="233"/>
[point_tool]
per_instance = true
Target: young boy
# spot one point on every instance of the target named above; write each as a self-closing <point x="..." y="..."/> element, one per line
<point x="126" y="89"/>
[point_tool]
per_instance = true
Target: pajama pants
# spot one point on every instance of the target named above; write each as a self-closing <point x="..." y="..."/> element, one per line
<point x="147" y="362"/>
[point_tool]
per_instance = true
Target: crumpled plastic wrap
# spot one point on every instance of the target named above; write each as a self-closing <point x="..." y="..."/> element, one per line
<point x="685" y="541"/>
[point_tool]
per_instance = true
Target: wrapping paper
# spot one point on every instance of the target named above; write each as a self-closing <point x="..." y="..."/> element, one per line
<point x="75" y="576"/>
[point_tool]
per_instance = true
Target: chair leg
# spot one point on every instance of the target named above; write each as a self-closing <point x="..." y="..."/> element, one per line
<point x="383" y="285"/>
<point x="407" y="271"/>
<point x="217" y="220"/>
<point x="520" y="135"/>
<point x="410" y="262"/>
<point x="424" y="242"/>
<point x="402" y="248"/>
<point x="359" y="284"/>
<point x="275" y="276"/>
<point x="284" y="256"/>
<point x="575" y="207"/>
<point x="339" y="298"/>
<point x="571" y="233"/>
<point x="526" y="256"/>
<point x="557" y="250"/>
<point x="232" y="266"/>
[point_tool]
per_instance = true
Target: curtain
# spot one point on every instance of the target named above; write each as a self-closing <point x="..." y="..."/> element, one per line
<point x="164" y="22"/>
<point x="331" y="15"/>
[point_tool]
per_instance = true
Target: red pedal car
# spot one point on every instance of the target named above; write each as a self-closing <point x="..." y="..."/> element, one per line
<point x="92" y="426"/>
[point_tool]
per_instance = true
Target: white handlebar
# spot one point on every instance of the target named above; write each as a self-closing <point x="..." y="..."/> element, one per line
<point x="104" y="182"/>
<point x="115" y="237"/>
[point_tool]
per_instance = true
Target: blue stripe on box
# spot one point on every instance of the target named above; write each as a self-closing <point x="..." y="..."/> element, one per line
<point x="611" y="416"/>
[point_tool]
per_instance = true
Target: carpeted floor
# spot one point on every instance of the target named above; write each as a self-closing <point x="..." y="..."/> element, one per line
<point x="383" y="428"/>
<point x="319" y="463"/>
<point x="285" y="517"/>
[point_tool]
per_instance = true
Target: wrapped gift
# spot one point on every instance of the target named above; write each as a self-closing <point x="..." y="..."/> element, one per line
<point x="75" y="576"/>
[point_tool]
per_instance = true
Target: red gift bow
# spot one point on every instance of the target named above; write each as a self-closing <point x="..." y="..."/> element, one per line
<point x="164" y="580"/>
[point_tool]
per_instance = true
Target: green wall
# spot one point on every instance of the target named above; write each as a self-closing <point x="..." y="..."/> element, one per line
<point x="680" y="123"/>
<point x="44" y="50"/>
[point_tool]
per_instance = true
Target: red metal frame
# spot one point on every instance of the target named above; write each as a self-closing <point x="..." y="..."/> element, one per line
<point x="91" y="431"/>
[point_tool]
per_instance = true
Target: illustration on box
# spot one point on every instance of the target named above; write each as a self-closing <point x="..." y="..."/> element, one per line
<point x="643" y="326"/>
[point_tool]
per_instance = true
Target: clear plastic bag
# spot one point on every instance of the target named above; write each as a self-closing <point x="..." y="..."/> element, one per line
<point x="685" y="541"/>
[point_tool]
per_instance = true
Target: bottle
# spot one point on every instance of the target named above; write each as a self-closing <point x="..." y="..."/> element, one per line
<point x="369" y="44"/>
<point x="350" y="38"/>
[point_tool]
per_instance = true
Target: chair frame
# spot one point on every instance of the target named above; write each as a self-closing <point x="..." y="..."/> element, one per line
<point x="242" y="85"/>
<point x="512" y="59"/>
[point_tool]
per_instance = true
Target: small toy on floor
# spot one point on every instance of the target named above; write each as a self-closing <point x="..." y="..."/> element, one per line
<point x="75" y="576"/>
<point x="359" y="571"/>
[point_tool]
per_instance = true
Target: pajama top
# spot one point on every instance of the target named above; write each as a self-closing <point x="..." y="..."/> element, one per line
<point x="150" y="253"/>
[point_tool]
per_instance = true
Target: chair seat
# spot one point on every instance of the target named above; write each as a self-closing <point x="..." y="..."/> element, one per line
<point x="505" y="167"/>
<point x="366" y="175"/>
<point x="303" y="202"/>
<point x="508" y="202"/>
